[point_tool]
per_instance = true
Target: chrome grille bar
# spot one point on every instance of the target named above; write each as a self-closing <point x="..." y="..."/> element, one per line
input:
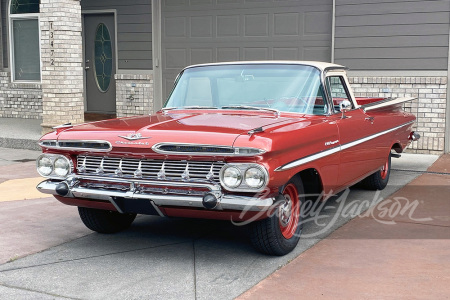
<point x="148" y="168"/>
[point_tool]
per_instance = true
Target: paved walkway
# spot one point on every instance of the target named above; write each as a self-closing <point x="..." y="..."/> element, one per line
<point x="20" y="133"/>
<point x="30" y="221"/>
<point x="396" y="252"/>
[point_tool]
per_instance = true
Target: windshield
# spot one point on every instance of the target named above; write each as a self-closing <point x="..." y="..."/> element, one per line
<point x="286" y="88"/>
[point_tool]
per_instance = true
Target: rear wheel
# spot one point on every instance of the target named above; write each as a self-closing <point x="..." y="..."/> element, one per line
<point x="379" y="179"/>
<point x="280" y="233"/>
<point x="105" y="221"/>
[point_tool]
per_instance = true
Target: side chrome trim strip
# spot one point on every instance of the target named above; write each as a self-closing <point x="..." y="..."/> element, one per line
<point x="331" y="151"/>
<point x="371" y="137"/>
<point x="308" y="159"/>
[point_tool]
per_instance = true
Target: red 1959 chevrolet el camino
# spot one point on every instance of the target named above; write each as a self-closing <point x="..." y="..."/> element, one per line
<point x="240" y="140"/>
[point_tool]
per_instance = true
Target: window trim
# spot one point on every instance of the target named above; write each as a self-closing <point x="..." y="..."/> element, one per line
<point x="11" y="19"/>
<point x="342" y="82"/>
<point x="348" y="90"/>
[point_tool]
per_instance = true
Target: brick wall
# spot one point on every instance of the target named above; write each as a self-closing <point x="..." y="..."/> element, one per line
<point x="429" y="108"/>
<point x="62" y="62"/>
<point x="19" y="100"/>
<point x="134" y="94"/>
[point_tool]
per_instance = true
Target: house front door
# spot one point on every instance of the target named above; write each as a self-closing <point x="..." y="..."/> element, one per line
<point x="100" y="63"/>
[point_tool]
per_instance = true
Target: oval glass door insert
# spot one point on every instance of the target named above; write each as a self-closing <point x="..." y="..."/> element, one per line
<point x="103" y="58"/>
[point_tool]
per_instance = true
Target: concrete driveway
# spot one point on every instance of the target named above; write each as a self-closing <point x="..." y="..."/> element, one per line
<point x="157" y="258"/>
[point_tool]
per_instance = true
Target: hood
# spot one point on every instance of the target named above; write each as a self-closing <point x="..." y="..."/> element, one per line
<point x="198" y="128"/>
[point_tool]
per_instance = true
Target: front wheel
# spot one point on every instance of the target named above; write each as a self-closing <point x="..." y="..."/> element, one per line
<point x="105" y="221"/>
<point x="379" y="179"/>
<point x="280" y="233"/>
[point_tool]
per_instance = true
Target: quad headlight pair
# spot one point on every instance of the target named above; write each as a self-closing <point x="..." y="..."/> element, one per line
<point x="243" y="177"/>
<point x="54" y="165"/>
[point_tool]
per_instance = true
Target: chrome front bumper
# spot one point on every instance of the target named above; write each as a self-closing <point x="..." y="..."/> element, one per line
<point x="225" y="202"/>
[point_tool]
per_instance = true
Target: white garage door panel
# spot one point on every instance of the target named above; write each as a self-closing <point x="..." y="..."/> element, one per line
<point x="202" y="31"/>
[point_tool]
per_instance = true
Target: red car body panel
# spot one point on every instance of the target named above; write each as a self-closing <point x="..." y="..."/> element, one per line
<point x="207" y="127"/>
<point x="284" y="139"/>
<point x="347" y="149"/>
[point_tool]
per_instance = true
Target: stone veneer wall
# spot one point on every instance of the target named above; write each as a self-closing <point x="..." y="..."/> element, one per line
<point x="62" y="62"/>
<point x="429" y="108"/>
<point x="19" y="100"/>
<point x="134" y="94"/>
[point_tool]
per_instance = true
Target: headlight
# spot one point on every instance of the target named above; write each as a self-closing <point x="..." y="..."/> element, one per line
<point x="243" y="177"/>
<point x="232" y="177"/>
<point x="62" y="166"/>
<point x="53" y="165"/>
<point x="44" y="166"/>
<point x="254" y="177"/>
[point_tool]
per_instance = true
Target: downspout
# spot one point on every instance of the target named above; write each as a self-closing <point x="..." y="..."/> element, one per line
<point x="447" y="107"/>
<point x="156" y="57"/>
<point x="333" y="30"/>
<point x="2" y="66"/>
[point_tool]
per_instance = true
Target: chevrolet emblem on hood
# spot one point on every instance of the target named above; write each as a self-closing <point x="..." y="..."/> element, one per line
<point x="134" y="137"/>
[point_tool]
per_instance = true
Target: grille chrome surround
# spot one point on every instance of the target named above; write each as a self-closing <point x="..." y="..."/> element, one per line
<point x="149" y="168"/>
<point x="77" y="145"/>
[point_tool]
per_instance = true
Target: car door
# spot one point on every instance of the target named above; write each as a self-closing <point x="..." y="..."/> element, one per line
<point x="358" y="156"/>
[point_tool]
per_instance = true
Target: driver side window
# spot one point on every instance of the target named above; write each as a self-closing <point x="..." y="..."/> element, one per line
<point x="338" y="92"/>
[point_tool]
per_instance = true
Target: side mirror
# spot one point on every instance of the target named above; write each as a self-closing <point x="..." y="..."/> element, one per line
<point x="345" y="106"/>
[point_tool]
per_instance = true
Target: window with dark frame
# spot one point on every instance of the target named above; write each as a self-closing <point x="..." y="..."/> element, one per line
<point x="25" y="40"/>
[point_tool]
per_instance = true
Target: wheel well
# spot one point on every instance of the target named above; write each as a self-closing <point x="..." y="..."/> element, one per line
<point x="312" y="183"/>
<point x="397" y="147"/>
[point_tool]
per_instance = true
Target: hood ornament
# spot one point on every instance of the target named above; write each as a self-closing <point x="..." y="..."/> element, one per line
<point x="134" y="137"/>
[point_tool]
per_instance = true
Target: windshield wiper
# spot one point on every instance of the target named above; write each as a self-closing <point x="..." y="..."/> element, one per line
<point x="198" y="107"/>
<point x="168" y="108"/>
<point x="276" y="111"/>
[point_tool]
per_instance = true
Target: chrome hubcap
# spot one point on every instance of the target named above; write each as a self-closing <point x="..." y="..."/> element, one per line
<point x="285" y="211"/>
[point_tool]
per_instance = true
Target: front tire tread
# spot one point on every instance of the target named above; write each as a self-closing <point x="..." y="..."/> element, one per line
<point x="104" y="221"/>
<point x="266" y="236"/>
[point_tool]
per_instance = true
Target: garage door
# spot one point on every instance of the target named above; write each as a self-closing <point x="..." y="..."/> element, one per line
<point x="203" y="31"/>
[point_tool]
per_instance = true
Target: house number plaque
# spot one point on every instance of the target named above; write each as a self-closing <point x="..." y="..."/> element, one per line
<point x="52" y="43"/>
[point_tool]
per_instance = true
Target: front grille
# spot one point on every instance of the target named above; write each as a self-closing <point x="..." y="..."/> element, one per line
<point x="149" y="168"/>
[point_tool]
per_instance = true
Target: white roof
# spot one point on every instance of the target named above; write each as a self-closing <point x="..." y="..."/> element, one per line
<point x="317" y="64"/>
